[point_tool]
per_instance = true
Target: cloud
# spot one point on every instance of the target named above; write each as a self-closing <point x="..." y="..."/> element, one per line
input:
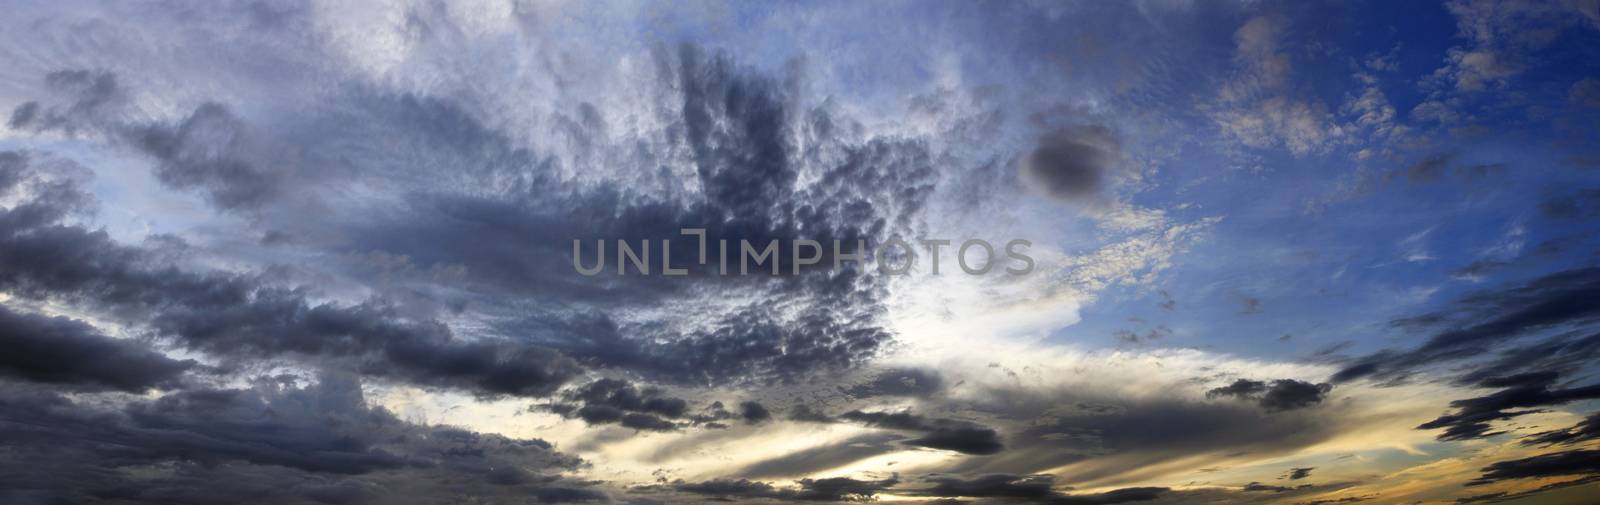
<point x="1505" y="496"/>
<point x="899" y="382"/>
<point x="204" y="152"/>
<point x="1027" y="488"/>
<point x="1073" y="163"/>
<point x="1299" y="473"/>
<point x="1576" y="462"/>
<point x="210" y="150"/>
<point x="237" y="316"/>
<point x="753" y="412"/>
<point x="1588" y="429"/>
<point x="991" y="486"/>
<point x="614" y="401"/>
<point x="274" y="440"/>
<point x="1124" y="495"/>
<point x="1503" y="36"/>
<point x="836" y="489"/>
<point x="1481" y="322"/>
<point x="1255" y="106"/>
<point x="1472" y="417"/>
<point x="1117" y="440"/>
<point x="945" y="434"/>
<point x="730" y="131"/>
<point x="1280" y="395"/>
<point x="89" y="97"/>
<point x="61" y="350"/>
<point x="1300" y="127"/>
<point x="824" y="457"/>
<point x="1257" y="487"/>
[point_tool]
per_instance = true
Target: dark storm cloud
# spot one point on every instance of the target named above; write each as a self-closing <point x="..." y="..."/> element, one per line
<point x="60" y="350"/>
<point x="1519" y="395"/>
<point x="1073" y="162"/>
<point x="320" y="442"/>
<point x="903" y="382"/>
<point x="1558" y="464"/>
<point x="946" y="434"/>
<point x="837" y="489"/>
<point x="614" y="401"/>
<point x="1299" y="473"/>
<point x="1477" y="324"/>
<point x="1588" y="429"/>
<point x="754" y="412"/>
<point x="243" y="317"/>
<point x="1280" y="395"/>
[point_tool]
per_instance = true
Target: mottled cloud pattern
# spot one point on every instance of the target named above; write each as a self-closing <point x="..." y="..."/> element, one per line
<point x="302" y="251"/>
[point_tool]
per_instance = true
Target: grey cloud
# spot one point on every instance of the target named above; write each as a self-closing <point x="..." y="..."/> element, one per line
<point x="946" y="434"/>
<point x="614" y="401"/>
<point x="736" y="125"/>
<point x="293" y="444"/>
<point x="88" y="96"/>
<point x="1576" y="462"/>
<point x="754" y="412"/>
<point x="1331" y="501"/>
<point x="836" y="489"/>
<point x="1124" y="495"/>
<point x="66" y="351"/>
<point x="903" y="382"/>
<point x="1073" y="162"/>
<point x="1280" y="395"/>
<point x="1505" y="496"/>
<point x="1588" y="429"/>
<point x="991" y="486"/>
<point x="238" y="316"/>
<point x="1519" y="395"/>
<point x="1116" y="444"/>
<point x="1480" y="323"/>
<point x="205" y="151"/>
<point x="804" y="413"/>
<point x="1257" y="487"/>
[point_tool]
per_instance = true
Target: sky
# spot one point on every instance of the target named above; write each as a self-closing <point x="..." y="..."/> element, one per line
<point x="1296" y="253"/>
